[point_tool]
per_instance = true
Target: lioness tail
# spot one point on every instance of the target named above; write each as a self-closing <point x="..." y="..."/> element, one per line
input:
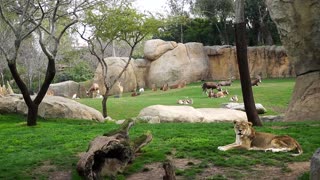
<point x="299" y="148"/>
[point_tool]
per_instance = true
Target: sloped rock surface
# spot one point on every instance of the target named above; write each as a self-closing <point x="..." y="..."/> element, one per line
<point x="189" y="114"/>
<point x="51" y="107"/>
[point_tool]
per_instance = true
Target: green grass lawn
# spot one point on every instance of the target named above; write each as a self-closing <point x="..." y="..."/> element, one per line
<point x="273" y="94"/>
<point x="58" y="142"/>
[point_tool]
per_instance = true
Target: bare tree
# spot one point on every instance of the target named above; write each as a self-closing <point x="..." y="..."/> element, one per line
<point x="241" y="45"/>
<point x="50" y="21"/>
<point x="112" y="24"/>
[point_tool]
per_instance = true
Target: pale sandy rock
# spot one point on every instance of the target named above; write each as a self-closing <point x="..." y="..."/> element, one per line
<point x="51" y="107"/>
<point x="187" y="62"/>
<point x="172" y="113"/>
<point x="8" y="103"/>
<point x="315" y="165"/>
<point x="115" y="66"/>
<point x="155" y="48"/>
<point x="141" y="69"/>
<point x="298" y="23"/>
<point x="305" y="102"/>
<point x="161" y="113"/>
<point x="222" y="115"/>
<point x="65" y="89"/>
<point x="266" y="61"/>
<point x="240" y="106"/>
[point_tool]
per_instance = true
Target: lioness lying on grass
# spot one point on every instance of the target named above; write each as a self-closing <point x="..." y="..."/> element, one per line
<point x="248" y="138"/>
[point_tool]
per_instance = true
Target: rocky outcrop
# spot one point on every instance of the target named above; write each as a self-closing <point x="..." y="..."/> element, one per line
<point x="161" y="113"/>
<point x="315" y="166"/>
<point x="298" y="22"/>
<point x="266" y="61"/>
<point x="65" y="89"/>
<point x="240" y="106"/>
<point x="305" y="101"/>
<point x="51" y="107"/>
<point x="153" y="49"/>
<point x="186" y="62"/>
<point x="141" y="68"/>
<point x="173" y="63"/>
<point x="115" y="66"/>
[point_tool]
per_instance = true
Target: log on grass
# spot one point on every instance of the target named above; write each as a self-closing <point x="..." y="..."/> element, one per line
<point x="109" y="154"/>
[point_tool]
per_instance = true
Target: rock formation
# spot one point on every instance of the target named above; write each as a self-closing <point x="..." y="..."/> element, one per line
<point x="171" y="63"/>
<point x="65" y="89"/>
<point x="266" y="61"/>
<point x="315" y="165"/>
<point x="185" y="62"/>
<point x="298" y="22"/>
<point x="115" y="66"/>
<point x="240" y="106"/>
<point x="51" y="107"/>
<point x="161" y="113"/>
<point x="153" y="49"/>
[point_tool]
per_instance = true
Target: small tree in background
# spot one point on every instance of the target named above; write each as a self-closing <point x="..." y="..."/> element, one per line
<point x="115" y="22"/>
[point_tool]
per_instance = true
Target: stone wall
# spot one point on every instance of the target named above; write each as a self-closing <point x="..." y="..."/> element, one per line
<point x="266" y="61"/>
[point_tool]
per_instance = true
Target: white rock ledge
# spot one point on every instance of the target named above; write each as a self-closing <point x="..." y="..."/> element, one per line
<point x="162" y="113"/>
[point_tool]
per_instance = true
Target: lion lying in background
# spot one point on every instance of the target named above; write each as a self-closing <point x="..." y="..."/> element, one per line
<point x="248" y="138"/>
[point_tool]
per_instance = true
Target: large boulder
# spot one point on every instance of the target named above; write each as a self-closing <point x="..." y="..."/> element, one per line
<point x="51" y="107"/>
<point x="186" y="62"/>
<point x="315" y="166"/>
<point x="65" y="89"/>
<point x="298" y="22"/>
<point x="155" y="48"/>
<point x="222" y="115"/>
<point x="115" y="66"/>
<point x="305" y="101"/>
<point x="162" y="113"/>
<point x="240" y="106"/>
<point x="141" y="67"/>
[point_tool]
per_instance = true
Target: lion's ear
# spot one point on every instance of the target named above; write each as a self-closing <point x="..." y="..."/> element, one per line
<point x="250" y="123"/>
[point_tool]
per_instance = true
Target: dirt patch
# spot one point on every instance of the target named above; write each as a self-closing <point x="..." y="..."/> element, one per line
<point x="155" y="171"/>
<point x="52" y="171"/>
<point x="291" y="171"/>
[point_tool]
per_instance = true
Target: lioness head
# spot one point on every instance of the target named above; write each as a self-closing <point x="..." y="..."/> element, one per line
<point x="242" y="128"/>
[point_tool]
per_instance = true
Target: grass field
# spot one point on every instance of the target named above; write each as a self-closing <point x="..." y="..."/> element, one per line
<point x="273" y="94"/>
<point x="54" y="145"/>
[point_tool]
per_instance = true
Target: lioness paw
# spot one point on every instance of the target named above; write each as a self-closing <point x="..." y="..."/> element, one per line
<point x="221" y="148"/>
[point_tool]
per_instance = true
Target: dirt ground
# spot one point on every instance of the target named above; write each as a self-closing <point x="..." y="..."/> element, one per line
<point x="155" y="171"/>
<point x="293" y="171"/>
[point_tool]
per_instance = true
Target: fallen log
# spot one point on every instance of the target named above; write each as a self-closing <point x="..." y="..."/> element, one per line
<point x="109" y="154"/>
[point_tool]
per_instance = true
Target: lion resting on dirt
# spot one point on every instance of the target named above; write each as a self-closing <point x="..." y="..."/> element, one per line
<point x="248" y="138"/>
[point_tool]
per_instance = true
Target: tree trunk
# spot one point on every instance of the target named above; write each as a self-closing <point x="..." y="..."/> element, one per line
<point x="241" y="45"/>
<point x="104" y="104"/>
<point x="32" y="107"/>
<point x="109" y="154"/>
<point x="32" y="114"/>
